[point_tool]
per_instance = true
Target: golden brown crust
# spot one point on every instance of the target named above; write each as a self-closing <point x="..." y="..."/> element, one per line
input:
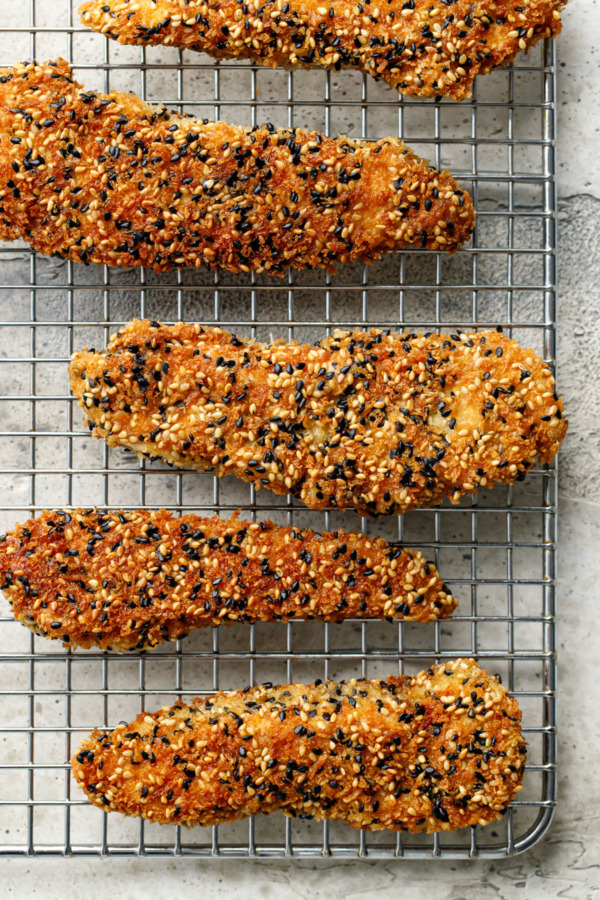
<point x="423" y="47"/>
<point x="129" y="580"/>
<point x="107" y="178"/>
<point x="437" y="751"/>
<point x="376" y="421"/>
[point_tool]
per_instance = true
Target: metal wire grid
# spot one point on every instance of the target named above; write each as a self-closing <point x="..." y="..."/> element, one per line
<point x="497" y="551"/>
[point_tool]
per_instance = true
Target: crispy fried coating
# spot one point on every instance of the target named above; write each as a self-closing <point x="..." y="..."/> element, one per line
<point x="423" y="47"/>
<point x="129" y="580"/>
<point x="437" y="751"/>
<point x="372" y="420"/>
<point x="107" y="178"/>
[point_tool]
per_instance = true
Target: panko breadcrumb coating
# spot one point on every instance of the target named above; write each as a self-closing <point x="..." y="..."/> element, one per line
<point x="372" y="420"/>
<point x="107" y="178"/>
<point x="437" y="751"/>
<point x="424" y="47"/>
<point x="129" y="580"/>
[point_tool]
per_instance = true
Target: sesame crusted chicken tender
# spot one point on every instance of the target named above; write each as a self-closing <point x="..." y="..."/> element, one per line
<point x="423" y="47"/>
<point x="433" y="752"/>
<point x="374" y="421"/>
<point x="109" y="179"/>
<point x="129" y="580"/>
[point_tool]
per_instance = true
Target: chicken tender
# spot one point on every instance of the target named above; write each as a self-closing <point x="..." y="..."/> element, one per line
<point x="129" y="580"/>
<point x="427" y="48"/>
<point x="437" y="751"/>
<point x="369" y="420"/>
<point x="109" y="179"/>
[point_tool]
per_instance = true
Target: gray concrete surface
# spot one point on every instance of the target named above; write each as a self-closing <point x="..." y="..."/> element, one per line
<point x="567" y="863"/>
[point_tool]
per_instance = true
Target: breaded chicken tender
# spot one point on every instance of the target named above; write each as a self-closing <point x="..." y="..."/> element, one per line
<point x="109" y="179"/>
<point x="437" y="751"/>
<point x="427" y="48"/>
<point x="129" y="580"/>
<point x="370" y="420"/>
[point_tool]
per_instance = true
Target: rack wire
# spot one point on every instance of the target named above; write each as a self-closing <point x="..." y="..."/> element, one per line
<point x="497" y="550"/>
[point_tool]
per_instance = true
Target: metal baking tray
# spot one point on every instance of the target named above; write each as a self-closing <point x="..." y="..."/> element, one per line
<point x="497" y="550"/>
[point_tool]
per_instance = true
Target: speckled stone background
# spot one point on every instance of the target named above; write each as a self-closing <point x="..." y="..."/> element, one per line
<point x="567" y="863"/>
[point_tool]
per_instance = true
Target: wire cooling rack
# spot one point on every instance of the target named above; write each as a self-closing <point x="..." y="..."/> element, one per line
<point x="497" y="550"/>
